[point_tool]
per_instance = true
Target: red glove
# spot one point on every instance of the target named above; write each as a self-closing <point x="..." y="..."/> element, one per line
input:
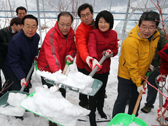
<point x="23" y="82"/>
<point x="161" y="78"/>
<point x="160" y="111"/>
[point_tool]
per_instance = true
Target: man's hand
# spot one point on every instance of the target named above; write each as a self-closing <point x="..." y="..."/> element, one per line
<point x="23" y="82"/>
<point x="161" y="78"/>
<point x="89" y="61"/>
<point x="96" y="63"/>
<point x="92" y="63"/>
<point x="141" y="88"/>
<point x="69" y="60"/>
<point x="150" y="70"/>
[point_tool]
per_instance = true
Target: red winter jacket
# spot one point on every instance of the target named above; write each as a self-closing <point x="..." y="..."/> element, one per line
<point x="55" y="48"/>
<point x="99" y="42"/>
<point x="164" y="60"/>
<point x="82" y="34"/>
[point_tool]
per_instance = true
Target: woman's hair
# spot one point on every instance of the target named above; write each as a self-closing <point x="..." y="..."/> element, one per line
<point x="107" y="16"/>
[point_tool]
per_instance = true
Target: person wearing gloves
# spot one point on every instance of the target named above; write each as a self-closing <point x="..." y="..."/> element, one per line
<point x="153" y="73"/>
<point x="102" y="39"/>
<point x="85" y="12"/>
<point x="22" y="49"/>
<point x="58" y="46"/>
<point x="137" y="52"/>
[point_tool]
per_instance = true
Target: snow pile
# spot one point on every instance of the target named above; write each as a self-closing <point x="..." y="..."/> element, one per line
<point x="76" y="80"/>
<point x="52" y="105"/>
<point x="132" y="124"/>
<point x="13" y="109"/>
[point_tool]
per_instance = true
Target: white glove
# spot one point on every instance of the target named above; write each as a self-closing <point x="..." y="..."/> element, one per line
<point x="141" y="88"/>
<point x="23" y="82"/>
<point x="161" y="78"/>
<point x="96" y="63"/>
<point x="151" y="68"/>
<point x="89" y="61"/>
<point x="69" y="60"/>
<point x="108" y="52"/>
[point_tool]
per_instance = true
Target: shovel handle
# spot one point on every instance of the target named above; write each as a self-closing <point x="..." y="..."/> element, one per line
<point x="28" y="75"/>
<point x="65" y="69"/>
<point x="139" y="98"/>
<point x="100" y="62"/>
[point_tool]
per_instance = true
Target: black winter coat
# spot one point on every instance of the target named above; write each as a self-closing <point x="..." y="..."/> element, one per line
<point x="5" y="37"/>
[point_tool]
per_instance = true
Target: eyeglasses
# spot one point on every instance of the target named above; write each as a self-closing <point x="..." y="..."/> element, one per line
<point x="28" y="27"/>
<point x="64" y="25"/>
<point x="145" y="28"/>
<point x="85" y="15"/>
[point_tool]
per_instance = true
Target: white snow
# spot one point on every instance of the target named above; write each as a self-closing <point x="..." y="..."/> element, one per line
<point x="52" y="105"/>
<point x="13" y="109"/>
<point x="111" y="90"/>
<point x="77" y="80"/>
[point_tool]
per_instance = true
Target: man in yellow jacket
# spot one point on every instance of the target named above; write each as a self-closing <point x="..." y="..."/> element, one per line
<point x="137" y="52"/>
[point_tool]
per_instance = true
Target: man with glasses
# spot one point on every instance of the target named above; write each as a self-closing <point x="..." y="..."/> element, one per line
<point x="137" y="52"/>
<point x="22" y="49"/>
<point x="21" y="12"/>
<point x="85" y="12"/>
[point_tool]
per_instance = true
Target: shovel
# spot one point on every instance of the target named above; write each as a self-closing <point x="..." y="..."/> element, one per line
<point x="126" y="119"/>
<point x="96" y="83"/>
<point x="4" y="98"/>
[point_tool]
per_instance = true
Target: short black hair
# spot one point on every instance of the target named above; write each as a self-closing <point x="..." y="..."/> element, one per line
<point x="30" y="17"/>
<point x="83" y="7"/>
<point x="65" y="14"/>
<point x="108" y="17"/>
<point x="149" y="16"/>
<point x="16" y="21"/>
<point x="20" y="8"/>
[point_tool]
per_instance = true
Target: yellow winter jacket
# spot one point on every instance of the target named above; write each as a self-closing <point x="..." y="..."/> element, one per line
<point x="136" y="55"/>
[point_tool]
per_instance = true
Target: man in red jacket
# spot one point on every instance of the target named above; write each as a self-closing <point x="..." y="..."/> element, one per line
<point x="85" y="12"/>
<point x="58" y="45"/>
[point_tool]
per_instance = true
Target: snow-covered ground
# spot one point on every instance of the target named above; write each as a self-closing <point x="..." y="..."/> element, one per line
<point x="111" y="90"/>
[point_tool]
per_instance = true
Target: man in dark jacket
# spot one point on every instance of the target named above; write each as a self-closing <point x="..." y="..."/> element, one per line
<point x="152" y="93"/>
<point x="22" y="49"/>
<point x="5" y="36"/>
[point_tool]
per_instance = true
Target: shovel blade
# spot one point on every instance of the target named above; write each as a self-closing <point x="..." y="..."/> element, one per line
<point x="4" y="98"/>
<point x="126" y="119"/>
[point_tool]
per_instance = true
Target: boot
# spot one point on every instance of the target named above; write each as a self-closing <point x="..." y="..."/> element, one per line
<point x="52" y="124"/>
<point x="92" y="119"/>
<point x="102" y="114"/>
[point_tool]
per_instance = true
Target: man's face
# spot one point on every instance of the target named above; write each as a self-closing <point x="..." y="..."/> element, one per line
<point x="147" y="29"/>
<point x="17" y="28"/>
<point x="30" y="27"/>
<point x="86" y="16"/>
<point x="21" y="13"/>
<point x="64" y="24"/>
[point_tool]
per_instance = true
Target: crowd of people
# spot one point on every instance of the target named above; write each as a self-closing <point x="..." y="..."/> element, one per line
<point x="139" y="54"/>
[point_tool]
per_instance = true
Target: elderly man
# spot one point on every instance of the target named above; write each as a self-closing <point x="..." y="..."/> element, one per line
<point x="58" y="47"/>
<point x="22" y="49"/>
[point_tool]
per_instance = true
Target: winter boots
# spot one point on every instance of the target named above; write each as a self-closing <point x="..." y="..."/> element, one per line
<point x="52" y="124"/>
<point x="146" y="109"/>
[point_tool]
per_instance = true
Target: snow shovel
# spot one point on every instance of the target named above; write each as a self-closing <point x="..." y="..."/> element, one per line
<point x="95" y="86"/>
<point x="4" y="98"/>
<point x="126" y="119"/>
